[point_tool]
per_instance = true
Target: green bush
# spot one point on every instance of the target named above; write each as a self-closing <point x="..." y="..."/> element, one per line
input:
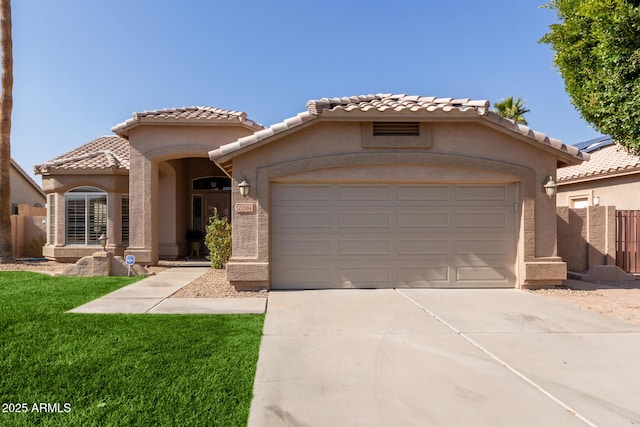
<point x="218" y="240"/>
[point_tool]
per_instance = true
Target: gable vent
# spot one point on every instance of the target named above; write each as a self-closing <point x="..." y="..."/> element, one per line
<point x="396" y="129"/>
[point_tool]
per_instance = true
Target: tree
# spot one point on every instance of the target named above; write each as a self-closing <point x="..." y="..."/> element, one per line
<point x="597" y="51"/>
<point x="6" y="105"/>
<point x="510" y="109"/>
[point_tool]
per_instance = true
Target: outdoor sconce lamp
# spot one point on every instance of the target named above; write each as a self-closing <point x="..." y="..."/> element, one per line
<point x="244" y="187"/>
<point x="596" y="201"/>
<point x="103" y="242"/>
<point x="550" y="187"/>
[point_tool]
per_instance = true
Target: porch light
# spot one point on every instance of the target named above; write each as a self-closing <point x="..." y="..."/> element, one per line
<point x="550" y="187"/>
<point x="103" y="242"/>
<point x="244" y="188"/>
<point x="596" y="200"/>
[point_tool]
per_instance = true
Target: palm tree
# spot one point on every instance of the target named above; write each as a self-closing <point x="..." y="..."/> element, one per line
<point x="510" y="109"/>
<point x="6" y="105"/>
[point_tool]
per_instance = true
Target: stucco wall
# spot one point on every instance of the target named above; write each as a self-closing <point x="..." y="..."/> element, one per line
<point x="622" y="192"/>
<point x="22" y="191"/>
<point x="115" y="185"/>
<point x="163" y="161"/>
<point x="586" y="237"/>
<point x="460" y="152"/>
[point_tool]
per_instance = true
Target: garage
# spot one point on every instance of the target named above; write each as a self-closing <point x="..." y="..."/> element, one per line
<point x="346" y="235"/>
<point x="394" y="190"/>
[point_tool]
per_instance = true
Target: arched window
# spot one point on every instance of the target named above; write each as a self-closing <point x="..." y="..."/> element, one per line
<point x="212" y="183"/>
<point x="85" y="215"/>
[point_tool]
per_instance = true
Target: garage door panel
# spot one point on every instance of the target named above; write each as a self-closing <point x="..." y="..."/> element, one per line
<point x="482" y="219"/>
<point x="424" y="276"/>
<point x="424" y="219"/>
<point x="303" y="220"/>
<point x="294" y="193"/>
<point x="408" y="235"/>
<point x="483" y="246"/>
<point x="423" y="246"/>
<point x="367" y="276"/>
<point x="303" y="247"/>
<point x="481" y="193"/>
<point x="373" y="193"/>
<point x="364" y="219"/>
<point x="434" y="193"/>
<point x="364" y="247"/>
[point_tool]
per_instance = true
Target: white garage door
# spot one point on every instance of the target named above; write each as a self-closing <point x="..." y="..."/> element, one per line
<point x="392" y="235"/>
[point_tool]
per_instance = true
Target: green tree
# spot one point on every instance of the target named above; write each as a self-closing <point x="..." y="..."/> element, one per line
<point x="511" y="109"/>
<point x="6" y="105"/>
<point x="597" y="51"/>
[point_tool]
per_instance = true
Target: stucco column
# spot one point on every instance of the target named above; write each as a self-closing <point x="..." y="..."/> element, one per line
<point x="114" y="223"/>
<point x="143" y="200"/>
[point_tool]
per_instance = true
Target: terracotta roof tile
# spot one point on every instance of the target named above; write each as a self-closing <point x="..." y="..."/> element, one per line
<point x="107" y="152"/>
<point x="398" y="104"/>
<point x="607" y="161"/>
<point x="198" y="115"/>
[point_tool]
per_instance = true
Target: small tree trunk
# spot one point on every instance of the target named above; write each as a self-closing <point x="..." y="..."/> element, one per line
<point x="6" y="106"/>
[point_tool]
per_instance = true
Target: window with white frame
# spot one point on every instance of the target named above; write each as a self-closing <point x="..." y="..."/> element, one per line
<point x="85" y="215"/>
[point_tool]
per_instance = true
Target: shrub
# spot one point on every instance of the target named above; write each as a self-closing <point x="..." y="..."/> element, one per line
<point x="218" y="240"/>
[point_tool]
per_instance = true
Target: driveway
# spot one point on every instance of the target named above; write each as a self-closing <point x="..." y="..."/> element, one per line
<point x="434" y="357"/>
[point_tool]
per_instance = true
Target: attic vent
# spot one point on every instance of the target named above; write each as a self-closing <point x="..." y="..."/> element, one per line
<point x="396" y="129"/>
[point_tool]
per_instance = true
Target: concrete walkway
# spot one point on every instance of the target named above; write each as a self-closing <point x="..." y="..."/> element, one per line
<point x="151" y="295"/>
<point x="418" y="357"/>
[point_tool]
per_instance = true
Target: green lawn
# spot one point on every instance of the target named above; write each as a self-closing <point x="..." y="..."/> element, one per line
<point x="118" y="370"/>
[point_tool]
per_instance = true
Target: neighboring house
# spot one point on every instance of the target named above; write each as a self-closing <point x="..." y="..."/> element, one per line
<point x="27" y="214"/>
<point x="394" y="191"/>
<point x="144" y="187"/>
<point x="369" y="191"/>
<point x="24" y="190"/>
<point x="611" y="177"/>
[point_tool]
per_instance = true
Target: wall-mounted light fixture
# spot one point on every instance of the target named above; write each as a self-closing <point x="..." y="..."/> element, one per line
<point x="103" y="242"/>
<point x="550" y="187"/>
<point x="244" y="187"/>
<point x="596" y="200"/>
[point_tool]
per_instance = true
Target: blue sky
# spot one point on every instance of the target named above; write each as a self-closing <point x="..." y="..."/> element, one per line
<point x="83" y="66"/>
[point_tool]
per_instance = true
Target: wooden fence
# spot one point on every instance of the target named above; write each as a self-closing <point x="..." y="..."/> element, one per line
<point x="628" y="241"/>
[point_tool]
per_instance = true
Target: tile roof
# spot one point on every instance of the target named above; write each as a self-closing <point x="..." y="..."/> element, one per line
<point x="191" y="115"/>
<point x="104" y="153"/>
<point x="390" y="105"/>
<point x="607" y="161"/>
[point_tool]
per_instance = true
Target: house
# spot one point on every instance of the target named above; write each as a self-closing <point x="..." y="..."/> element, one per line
<point x="597" y="211"/>
<point x="611" y="177"/>
<point x="144" y="187"/>
<point x="368" y="191"/>
<point x="394" y="191"/>
<point x="24" y="190"/>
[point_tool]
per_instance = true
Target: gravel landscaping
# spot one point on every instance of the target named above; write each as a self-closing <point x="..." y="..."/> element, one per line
<point x="619" y="300"/>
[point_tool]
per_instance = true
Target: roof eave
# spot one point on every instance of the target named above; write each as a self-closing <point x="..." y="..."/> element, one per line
<point x="26" y="176"/>
<point x="599" y="176"/>
<point x="123" y="128"/>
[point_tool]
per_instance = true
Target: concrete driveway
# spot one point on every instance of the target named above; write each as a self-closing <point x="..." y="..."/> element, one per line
<point x="432" y="357"/>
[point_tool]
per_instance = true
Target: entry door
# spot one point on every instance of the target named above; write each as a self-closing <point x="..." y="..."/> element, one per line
<point x="220" y="200"/>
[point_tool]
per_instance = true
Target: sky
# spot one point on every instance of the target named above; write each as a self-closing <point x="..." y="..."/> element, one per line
<point x="83" y="66"/>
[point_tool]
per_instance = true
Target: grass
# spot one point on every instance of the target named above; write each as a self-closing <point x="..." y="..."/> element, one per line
<point x="113" y="369"/>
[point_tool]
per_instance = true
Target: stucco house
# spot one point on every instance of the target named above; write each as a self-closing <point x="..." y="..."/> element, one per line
<point x="611" y="177"/>
<point x="24" y="190"/>
<point x="394" y="190"/>
<point x="144" y="187"/>
<point x="368" y="191"/>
